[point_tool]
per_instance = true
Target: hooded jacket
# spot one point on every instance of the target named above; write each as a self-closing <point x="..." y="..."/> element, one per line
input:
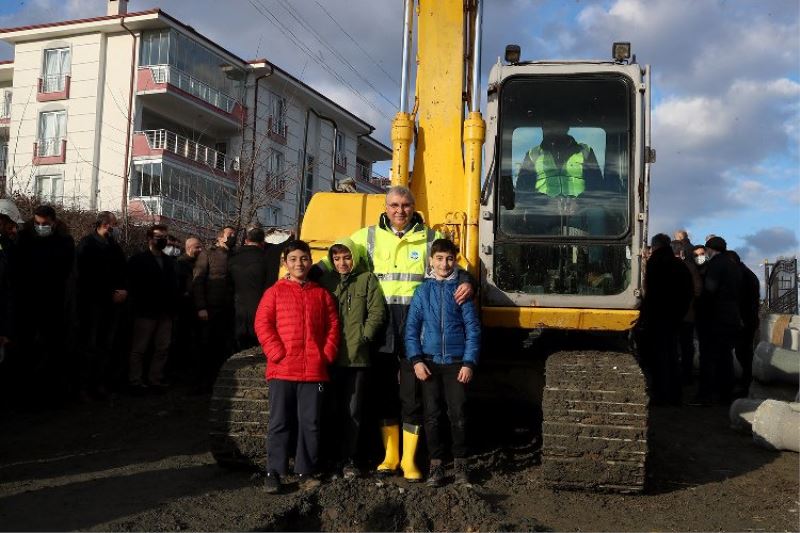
<point x="298" y="328"/>
<point x="362" y="310"/>
<point x="439" y="329"/>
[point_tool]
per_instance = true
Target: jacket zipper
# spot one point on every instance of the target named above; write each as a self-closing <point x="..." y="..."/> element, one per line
<point x="441" y="315"/>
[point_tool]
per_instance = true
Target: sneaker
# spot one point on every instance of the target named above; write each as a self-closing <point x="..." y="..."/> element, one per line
<point x="350" y="471"/>
<point x="461" y="474"/>
<point x="435" y="474"/>
<point x="307" y="482"/>
<point x="272" y="483"/>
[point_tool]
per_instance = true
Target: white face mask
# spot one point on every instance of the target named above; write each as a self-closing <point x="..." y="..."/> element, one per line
<point x="172" y="251"/>
<point x="700" y="259"/>
<point x="43" y="230"/>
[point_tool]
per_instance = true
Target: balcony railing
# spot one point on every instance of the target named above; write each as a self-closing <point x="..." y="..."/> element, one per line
<point x="54" y="84"/>
<point x="189" y="149"/>
<point x="49" y="147"/>
<point x="365" y="174"/>
<point x="5" y="105"/>
<point x="193" y="86"/>
<point x="340" y="160"/>
<point x="3" y="159"/>
<point x="180" y="211"/>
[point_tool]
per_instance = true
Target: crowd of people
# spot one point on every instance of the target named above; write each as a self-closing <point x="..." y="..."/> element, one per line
<point x="385" y="320"/>
<point x="85" y="320"/>
<point x="702" y="292"/>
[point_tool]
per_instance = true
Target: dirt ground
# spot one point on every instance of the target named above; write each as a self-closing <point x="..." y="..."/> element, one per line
<point x="132" y="464"/>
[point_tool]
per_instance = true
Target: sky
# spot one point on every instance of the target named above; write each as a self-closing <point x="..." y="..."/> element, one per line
<point x="726" y="78"/>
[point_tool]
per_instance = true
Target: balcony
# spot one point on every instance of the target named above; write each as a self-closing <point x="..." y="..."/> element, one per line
<point x="166" y="79"/>
<point x="277" y="130"/>
<point x="161" y="209"/>
<point x="340" y="162"/>
<point x="155" y="143"/>
<point x="52" y="151"/>
<point x="3" y="161"/>
<point x="54" y="87"/>
<point x="5" y="109"/>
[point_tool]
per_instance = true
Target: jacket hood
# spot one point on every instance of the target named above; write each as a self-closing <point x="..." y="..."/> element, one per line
<point x="359" y="262"/>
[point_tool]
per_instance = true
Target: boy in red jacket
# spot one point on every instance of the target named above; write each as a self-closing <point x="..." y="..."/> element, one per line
<point x="297" y="324"/>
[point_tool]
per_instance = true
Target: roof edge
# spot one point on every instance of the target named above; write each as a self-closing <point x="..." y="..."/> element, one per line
<point x="79" y="21"/>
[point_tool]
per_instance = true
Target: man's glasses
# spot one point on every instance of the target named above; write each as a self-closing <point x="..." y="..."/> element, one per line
<point x="400" y="206"/>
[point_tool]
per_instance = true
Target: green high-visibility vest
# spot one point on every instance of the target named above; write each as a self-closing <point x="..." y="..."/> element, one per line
<point x="554" y="181"/>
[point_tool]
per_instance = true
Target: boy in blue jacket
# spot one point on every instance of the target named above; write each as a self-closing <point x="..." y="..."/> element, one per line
<point x="442" y="341"/>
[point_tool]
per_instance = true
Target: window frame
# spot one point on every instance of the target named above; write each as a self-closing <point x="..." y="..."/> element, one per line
<point x="51" y="198"/>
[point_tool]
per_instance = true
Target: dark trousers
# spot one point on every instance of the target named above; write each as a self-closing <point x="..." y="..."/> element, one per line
<point x="293" y="407"/>
<point x="744" y="353"/>
<point x="217" y="342"/>
<point x="97" y="329"/>
<point x="347" y="391"/>
<point x="663" y="365"/>
<point x="686" y="345"/>
<point x="157" y="331"/>
<point x="716" y="364"/>
<point x="388" y="391"/>
<point x="443" y="384"/>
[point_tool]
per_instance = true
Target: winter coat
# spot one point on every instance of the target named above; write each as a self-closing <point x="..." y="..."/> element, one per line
<point x="298" y="328"/>
<point x="42" y="268"/>
<point x="668" y="290"/>
<point x="102" y="269"/>
<point x="720" y="299"/>
<point x="184" y="268"/>
<point x="697" y="286"/>
<point x="6" y="309"/>
<point x="210" y="282"/>
<point x="250" y="273"/>
<point x="152" y="288"/>
<point x="749" y="297"/>
<point x="439" y="329"/>
<point x="362" y="309"/>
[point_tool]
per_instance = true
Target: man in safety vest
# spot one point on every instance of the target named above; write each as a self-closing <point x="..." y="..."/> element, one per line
<point x="398" y="248"/>
<point x="559" y="166"/>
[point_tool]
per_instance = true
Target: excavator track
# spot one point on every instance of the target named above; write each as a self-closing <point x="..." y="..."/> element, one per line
<point x="595" y="426"/>
<point x="239" y="412"/>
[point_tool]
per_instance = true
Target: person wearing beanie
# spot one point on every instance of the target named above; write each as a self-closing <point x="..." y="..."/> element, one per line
<point x="721" y="320"/>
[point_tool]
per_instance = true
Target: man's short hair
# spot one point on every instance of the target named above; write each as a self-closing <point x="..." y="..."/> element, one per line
<point x="46" y="211"/>
<point x="195" y="237"/>
<point x="155" y="227"/>
<point x="681" y="234"/>
<point x="444" y="245"/>
<point x="295" y="245"/>
<point x="400" y="190"/>
<point x="223" y="228"/>
<point x="104" y="217"/>
<point x="660" y="240"/>
<point x="255" y="235"/>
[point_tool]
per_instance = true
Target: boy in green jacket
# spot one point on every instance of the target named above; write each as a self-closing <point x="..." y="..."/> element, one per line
<point x="362" y="314"/>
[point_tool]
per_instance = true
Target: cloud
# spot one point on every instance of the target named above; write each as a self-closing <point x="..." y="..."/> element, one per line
<point x="772" y="241"/>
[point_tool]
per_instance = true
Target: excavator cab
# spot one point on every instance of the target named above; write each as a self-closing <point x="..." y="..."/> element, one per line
<point x="563" y="209"/>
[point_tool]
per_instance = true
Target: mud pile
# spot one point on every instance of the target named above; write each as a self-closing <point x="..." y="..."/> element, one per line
<point x="370" y="505"/>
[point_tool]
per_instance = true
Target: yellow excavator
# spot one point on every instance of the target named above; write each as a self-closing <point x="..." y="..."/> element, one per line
<point x="547" y="257"/>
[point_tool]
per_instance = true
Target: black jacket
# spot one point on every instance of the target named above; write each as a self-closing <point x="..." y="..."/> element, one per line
<point x="101" y="269"/>
<point x="153" y="288"/>
<point x="668" y="290"/>
<point x="184" y="266"/>
<point x="719" y="309"/>
<point x="749" y="297"/>
<point x="251" y="271"/>
<point x="42" y="266"/>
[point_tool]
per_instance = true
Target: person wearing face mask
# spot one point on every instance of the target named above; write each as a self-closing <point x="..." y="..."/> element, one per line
<point x="213" y="299"/>
<point x="101" y="291"/>
<point x="719" y="321"/>
<point x="43" y="259"/>
<point x="153" y="291"/>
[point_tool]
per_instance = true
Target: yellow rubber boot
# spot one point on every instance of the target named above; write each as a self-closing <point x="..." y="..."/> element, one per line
<point x="390" y="434"/>
<point x="410" y="441"/>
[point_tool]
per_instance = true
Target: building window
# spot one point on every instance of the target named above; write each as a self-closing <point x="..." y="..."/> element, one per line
<point x="277" y="111"/>
<point x="5" y="104"/>
<point x="55" y="70"/>
<point x="340" y="156"/>
<point x="309" y="177"/>
<point x="50" y="188"/>
<point x="272" y="215"/>
<point x="52" y="129"/>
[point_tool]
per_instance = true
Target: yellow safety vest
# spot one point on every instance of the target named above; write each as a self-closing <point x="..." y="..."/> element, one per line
<point x="399" y="263"/>
<point x="554" y="181"/>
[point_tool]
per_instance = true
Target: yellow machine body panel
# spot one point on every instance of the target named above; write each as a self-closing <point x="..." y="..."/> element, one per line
<point x="559" y="318"/>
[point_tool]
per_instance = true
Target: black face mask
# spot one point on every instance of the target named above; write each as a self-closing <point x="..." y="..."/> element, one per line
<point x="230" y="242"/>
<point x="160" y="243"/>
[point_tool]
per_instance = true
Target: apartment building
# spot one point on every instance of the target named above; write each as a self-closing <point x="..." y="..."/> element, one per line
<point x="139" y="113"/>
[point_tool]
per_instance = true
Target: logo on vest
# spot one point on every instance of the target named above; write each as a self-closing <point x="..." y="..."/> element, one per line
<point x="414" y="255"/>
